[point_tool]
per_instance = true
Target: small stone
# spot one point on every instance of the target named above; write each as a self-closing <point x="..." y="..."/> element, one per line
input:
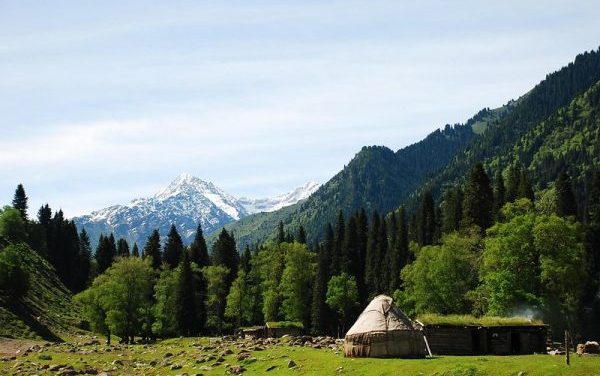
<point x="168" y="355"/>
<point x="291" y="364"/>
<point x="271" y="368"/>
<point x="175" y="366"/>
<point x="117" y="362"/>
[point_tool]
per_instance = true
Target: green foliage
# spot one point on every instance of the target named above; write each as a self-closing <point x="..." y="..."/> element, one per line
<point x="441" y="276"/>
<point x="14" y="280"/>
<point x="216" y="290"/>
<point x="12" y="226"/>
<point x="433" y="319"/>
<point x="342" y="297"/>
<point x="478" y="200"/>
<point x="198" y="249"/>
<point x="165" y="296"/>
<point x="296" y="280"/>
<point x="119" y="299"/>
<point x="224" y="252"/>
<point x="239" y="300"/>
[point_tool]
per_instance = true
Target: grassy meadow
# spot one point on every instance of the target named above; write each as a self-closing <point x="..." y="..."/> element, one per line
<point x="204" y="356"/>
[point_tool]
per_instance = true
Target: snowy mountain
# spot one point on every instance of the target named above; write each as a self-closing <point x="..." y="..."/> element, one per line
<point x="274" y="203"/>
<point x="185" y="202"/>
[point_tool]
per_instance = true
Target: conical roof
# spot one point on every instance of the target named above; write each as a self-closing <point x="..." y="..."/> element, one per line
<point x="381" y="315"/>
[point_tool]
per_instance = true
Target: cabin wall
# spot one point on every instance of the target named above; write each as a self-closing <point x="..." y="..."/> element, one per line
<point x="473" y="340"/>
<point x="448" y="340"/>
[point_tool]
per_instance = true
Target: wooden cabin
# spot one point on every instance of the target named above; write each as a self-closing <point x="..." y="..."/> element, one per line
<point x="510" y="338"/>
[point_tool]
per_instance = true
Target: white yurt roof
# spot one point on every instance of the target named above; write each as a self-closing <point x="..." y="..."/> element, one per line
<point x="381" y="315"/>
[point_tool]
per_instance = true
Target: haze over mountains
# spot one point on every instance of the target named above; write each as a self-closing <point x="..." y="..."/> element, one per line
<point x="185" y="202"/>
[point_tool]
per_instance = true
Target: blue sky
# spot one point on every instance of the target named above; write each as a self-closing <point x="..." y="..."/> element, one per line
<point x="105" y="101"/>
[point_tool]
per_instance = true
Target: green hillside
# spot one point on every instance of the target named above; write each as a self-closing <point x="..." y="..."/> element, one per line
<point x="46" y="311"/>
<point x="379" y="179"/>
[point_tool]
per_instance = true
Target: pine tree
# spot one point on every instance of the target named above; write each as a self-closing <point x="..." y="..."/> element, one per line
<point x="478" y="201"/>
<point x="499" y="194"/>
<point x="198" y="249"/>
<point x="135" y="252"/>
<point x="19" y="202"/>
<point x="452" y="210"/>
<point x="336" y="254"/>
<point x="122" y="248"/>
<point x="224" y="253"/>
<point x="565" y="198"/>
<point x="112" y="246"/>
<point x="525" y="188"/>
<point x="173" y="248"/>
<point x="104" y="254"/>
<point x="245" y="259"/>
<point x="85" y="256"/>
<point x="373" y="258"/>
<point x="185" y="299"/>
<point x="382" y="282"/>
<point x="512" y="187"/>
<point x="350" y="254"/>
<point x="320" y="312"/>
<point x="362" y="229"/>
<point x="280" y="233"/>
<point x="152" y="249"/>
<point x="301" y="237"/>
<point x="427" y="220"/>
<point x="398" y="253"/>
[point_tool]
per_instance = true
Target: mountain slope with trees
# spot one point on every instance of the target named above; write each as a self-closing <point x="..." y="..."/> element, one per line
<point x="379" y="179"/>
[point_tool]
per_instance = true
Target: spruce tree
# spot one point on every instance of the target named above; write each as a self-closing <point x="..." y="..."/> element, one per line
<point x="122" y="248"/>
<point x="373" y="258"/>
<point x="336" y="254"/>
<point x="173" y="248"/>
<point x="112" y="246"/>
<point x="512" y="187"/>
<point x="478" y="200"/>
<point x="499" y="193"/>
<point x="350" y="257"/>
<point x="280" y="233"/>
<point x="320" y="312"/>
<point x="152" y="249"/>
<point x="224" y="253"/>
<point x="452" y="210"/>
<point x="565" y="198"/>
<point x="382" y="282"/>
<point x="301" y="236"/>
<point x="85" y="256"/>
<point x="185" y="299"/>
<point x="104" y="254"/>
<point x="525" y="188"/>
<point x="362" y="230"/>
<point x="427" y="220"/>
<point x="135" y="252"/>
<point x="198" y="249"/>
<point x="398" y="253"/>
<point x="19" y="202"/>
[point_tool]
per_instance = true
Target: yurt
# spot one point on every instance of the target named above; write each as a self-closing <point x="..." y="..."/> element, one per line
<point x="383" y="331"/>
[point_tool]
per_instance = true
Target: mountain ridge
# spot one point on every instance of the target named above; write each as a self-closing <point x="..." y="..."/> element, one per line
<point x="185" y="202"/>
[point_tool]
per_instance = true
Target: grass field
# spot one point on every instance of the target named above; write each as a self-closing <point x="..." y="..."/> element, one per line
<point x="155" y="360"/>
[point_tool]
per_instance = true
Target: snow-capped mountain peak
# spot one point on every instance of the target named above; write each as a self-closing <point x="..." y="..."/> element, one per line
<point x="185" y="202"/>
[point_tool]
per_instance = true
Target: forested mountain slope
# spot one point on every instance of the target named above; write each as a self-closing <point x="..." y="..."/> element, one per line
<point x="501" y="136"/>
<point x="379" y="179"/>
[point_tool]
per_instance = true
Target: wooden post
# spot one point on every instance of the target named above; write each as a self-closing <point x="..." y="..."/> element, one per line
<point x="567" y="347"/>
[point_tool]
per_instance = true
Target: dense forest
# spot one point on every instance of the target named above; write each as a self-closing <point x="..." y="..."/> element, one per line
<point x="500" y="221"/>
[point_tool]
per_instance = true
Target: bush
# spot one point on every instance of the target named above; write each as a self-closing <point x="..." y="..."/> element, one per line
<point x="14" y="280"/>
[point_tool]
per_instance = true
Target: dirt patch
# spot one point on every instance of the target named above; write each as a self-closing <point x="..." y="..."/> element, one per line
<point x="9" y="346"/>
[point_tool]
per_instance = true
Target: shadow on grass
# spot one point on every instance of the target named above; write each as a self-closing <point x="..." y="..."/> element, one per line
<point x="24" y="314"/>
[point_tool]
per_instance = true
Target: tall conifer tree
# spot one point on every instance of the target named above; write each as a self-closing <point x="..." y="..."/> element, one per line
<point x="173" y="248"/>
<point x="19" y="202"/>
<point x="198" y="249"/>
<point x="152" y="249"/>
<point x="565" y="198"/>
<point x="479" y="200"/>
